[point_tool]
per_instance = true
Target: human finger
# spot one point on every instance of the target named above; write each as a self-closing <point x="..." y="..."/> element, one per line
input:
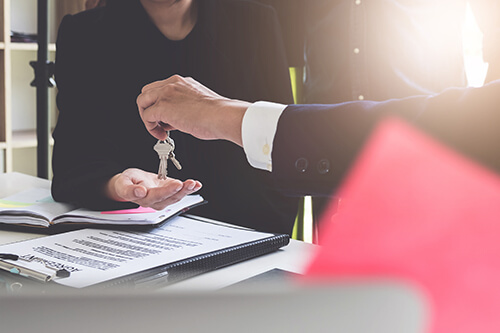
<point x="132" y="192"/>
<point x="151" y="113"/>
<point x="156" y="84"/>
<point x="164" y="199"/>
<point x="155" y="127"/>
<point x="161" y="193"/>
<point x="127" y="187"/>
<point x="146" y="99"/>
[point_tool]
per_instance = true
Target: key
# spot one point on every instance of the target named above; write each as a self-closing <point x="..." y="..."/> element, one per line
<point x="163" y="148"/>
<point x="170" y="141"/>
<point x="171" y="157"/>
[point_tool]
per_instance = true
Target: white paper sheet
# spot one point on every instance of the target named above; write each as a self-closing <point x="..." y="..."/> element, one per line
<point x="93" y="256"/>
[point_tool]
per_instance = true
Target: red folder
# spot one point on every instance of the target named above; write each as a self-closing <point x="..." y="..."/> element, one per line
<point x="414" y="210"/>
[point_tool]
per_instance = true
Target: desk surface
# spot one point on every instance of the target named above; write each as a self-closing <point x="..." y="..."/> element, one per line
<point x="293" y="257"/>
<point x="192" y="306"/>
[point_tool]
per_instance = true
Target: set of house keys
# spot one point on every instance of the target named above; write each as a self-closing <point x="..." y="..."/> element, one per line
<point x="165" y="149"/>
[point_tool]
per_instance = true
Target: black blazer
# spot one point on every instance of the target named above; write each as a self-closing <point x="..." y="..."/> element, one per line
<point x="327" y="138"/>
<point x="106" y="55"/>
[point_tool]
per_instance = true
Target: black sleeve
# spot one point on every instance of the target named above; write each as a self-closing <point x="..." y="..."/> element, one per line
<point x="81" y="161"/>
<point x="467" y="120"/>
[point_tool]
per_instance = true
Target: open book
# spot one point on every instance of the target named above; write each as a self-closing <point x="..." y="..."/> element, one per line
<point x="184" y="247"/>
<point x="36" y="208"/>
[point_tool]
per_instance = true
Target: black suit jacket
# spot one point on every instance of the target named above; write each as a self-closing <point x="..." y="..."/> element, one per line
<point x="106" y="55"/>
<point x="327" y="138"/>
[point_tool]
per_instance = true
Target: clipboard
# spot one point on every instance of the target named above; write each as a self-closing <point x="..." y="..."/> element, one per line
<point x="157" y="273"/>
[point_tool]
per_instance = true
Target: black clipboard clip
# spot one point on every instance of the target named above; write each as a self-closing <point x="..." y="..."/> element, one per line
<point x="15" y="268"/>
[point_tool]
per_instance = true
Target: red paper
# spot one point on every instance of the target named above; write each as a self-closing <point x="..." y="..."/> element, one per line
<point x="412" y="209"/>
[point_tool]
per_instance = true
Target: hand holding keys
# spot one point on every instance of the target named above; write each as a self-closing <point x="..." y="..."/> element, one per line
<point x="165" y="150"/>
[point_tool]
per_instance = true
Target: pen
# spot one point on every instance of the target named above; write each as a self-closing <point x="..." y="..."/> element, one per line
<point x="28" y="272"/>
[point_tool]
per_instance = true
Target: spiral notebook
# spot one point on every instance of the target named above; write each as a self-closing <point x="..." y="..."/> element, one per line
<point x="182" y="248"/>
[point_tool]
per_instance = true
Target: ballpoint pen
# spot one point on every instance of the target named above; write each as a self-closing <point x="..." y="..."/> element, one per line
<point x="28" y="272"/>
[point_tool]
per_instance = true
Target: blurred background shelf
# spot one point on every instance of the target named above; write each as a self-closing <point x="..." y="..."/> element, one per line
<point x="25" y="139"/>
<point x="18" y="109"/>
<point x="29" y="47"/>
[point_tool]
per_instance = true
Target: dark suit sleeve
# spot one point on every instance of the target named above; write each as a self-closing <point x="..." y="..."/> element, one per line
<point x="81" y="157"/>
<point x="315" y="145"/>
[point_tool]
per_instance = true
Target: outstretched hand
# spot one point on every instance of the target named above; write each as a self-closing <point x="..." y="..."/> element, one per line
<point x="145" y="189"/>
<point x="184" y="104"/>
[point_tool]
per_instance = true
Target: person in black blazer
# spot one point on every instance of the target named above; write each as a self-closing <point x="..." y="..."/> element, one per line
<point x="103" y="156"/>
<point x="313" y="146"/>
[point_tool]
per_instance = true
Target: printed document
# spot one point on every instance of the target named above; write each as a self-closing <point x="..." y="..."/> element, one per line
<point x="95" y="255"/>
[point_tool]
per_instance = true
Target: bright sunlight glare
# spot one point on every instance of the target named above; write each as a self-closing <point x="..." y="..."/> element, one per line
<point x="475" y="67"/>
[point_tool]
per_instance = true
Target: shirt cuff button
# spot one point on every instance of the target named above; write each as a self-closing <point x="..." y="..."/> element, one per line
<point x="323" y="166"/>
<point x="301" y="165"/>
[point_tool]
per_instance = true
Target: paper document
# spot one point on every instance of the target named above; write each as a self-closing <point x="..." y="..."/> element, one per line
<point x="93" y="256"/>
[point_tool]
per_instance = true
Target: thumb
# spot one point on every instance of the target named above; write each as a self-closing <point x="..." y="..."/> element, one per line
<point x="134" y="192"/>
<point x="140" y="191"/>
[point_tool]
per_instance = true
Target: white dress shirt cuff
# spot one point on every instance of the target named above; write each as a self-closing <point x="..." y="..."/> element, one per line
<point x="258" y="130"/>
